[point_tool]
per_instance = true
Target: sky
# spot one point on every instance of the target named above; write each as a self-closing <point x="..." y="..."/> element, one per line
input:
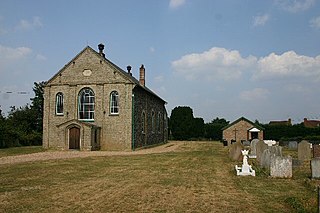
<point x="226" y="59"/>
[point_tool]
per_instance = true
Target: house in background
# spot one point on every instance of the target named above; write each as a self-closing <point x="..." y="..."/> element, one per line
<point x="242" y="130"/>
<point x="311" y="123"/>
<point x="281" y="123"/>
<point x="92" y="104"/>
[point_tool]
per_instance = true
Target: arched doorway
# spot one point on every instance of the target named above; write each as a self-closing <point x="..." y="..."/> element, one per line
<point x="74" y="138"/>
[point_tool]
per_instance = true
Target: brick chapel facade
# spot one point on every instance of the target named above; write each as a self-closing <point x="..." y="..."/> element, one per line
<point x="92" y="104"/>
<point x="242" y="130"/>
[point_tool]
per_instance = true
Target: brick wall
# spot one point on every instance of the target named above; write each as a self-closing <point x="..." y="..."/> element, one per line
<point x="239" y="131"/>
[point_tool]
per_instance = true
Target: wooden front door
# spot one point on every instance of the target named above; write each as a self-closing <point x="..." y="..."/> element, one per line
<point x="74" y="138"/>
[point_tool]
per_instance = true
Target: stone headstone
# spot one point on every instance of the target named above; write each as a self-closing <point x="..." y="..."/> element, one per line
<point x="315" y="167"/>
<point x="275" y="150"/>
<point x="260" y="147"/>
<point x="253" y="149"/>
<point x="235" y="151"/>
<point x="304" y="151"/>
<point x="293" y="145"/>
<point x="265" y="159"/>
<point x="246" y="143"/>
<point x="316" y="150"/>
<point x="281" y="167"/>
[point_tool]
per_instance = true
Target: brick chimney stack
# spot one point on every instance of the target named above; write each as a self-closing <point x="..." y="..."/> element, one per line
<point x="101" y="47"/>
<point x="142" y="76"/>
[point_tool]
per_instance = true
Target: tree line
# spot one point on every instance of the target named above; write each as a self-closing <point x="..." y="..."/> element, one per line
<point x="184" y="126"/>
<point x="23" y="125"/>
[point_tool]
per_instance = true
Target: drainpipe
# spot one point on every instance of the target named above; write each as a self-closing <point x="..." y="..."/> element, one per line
<point x="133" y="136"/>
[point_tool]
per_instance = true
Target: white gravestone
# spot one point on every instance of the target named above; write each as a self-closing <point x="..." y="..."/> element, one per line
<point x="245" y="169"/>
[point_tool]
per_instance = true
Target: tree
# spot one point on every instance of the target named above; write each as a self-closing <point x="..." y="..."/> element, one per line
<point x="213" y="129"/>
<point x="181" y="122"/>
<point x="37" y="104"/>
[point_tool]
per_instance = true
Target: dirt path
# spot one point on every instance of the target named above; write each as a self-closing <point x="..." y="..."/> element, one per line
<point x="51" y="155"/>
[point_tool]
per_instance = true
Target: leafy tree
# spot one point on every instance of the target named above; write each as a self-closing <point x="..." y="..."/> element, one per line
<point x="37" y="104"/>
<point x="198" y="128"/>
<point x="181" y="122"/>
<point x="213" y="129"/>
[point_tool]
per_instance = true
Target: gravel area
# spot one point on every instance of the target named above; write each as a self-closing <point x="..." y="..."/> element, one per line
<point x="52" y="155"/>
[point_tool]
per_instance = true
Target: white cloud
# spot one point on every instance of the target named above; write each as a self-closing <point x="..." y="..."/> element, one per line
<point x="255" y="94"/>
<point x="287" y="65"/>
<point x="8" y="54"/>
<point x="176" y="3"/>
<point x="295" y="5"/>
<point x="41" y="57"/>
<point x="315" y="22"/>
<point x="216" y="63"/>
<point x="260" y="20"/>
<point x="29" y="25"/>
<point x="222" y="64"/>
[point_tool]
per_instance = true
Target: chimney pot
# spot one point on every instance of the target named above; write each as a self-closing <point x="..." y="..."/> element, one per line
<point x="129" y="69"/>
<point x="101" y="48"/>
<point x="142" y="76"/>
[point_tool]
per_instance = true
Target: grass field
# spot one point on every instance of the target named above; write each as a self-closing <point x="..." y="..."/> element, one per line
<point x="20" y="150"/>
<point x="198" y="177"/>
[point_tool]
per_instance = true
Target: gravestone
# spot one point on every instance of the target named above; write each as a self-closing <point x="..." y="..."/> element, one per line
<point x="275" y="150"/>
<point x="281" y="167"/>
<point x="304" y="151"/>
<point x="293" y="145"/>
<point x="316" y="150"/>
<point x="253" y="149"/>
<point x="245" y="169"/>
<point x="270" y="142"/>
<point x="265" y="159"/>
<point x="315" y="167"/>
<point x="235" y="151"/>
<point x="246" y="143"/>
<point x="260" y="147"/>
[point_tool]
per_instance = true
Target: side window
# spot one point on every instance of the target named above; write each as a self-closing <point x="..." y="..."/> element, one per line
<point x="59" y="103"/>
<point x="143" y="118"/>
<point x="114" y="103"/>
<point x="152" y="121"/>
<point x="159" y="122"/>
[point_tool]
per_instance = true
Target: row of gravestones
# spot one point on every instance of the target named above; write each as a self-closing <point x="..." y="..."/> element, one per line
<point x="271" y="157"/>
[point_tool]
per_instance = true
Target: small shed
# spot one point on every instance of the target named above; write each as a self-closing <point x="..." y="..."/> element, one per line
<point x="242" y="130"/>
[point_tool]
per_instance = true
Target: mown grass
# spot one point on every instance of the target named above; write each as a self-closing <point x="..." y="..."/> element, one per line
<point x="197" y="178"/>
<point x="20" y="150"/>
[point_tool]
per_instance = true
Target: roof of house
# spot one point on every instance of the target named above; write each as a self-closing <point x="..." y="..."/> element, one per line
<point x="311" y="123"/>
<point x="285" y="123"/>
<point x="243" y="119"/>
<point x="121" y="71"/>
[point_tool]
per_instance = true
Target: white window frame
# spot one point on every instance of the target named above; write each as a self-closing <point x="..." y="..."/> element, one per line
<point x="114" y="103"/>
<point x="59" y="103"/>
<point x="86" y="104"/>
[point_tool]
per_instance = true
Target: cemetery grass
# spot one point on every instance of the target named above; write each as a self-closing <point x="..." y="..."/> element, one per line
<point x="20" y="150"/>
<point x="197" y="177"/>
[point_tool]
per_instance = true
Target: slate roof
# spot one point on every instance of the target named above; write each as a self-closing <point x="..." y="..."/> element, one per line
<point x="243" y="119"/>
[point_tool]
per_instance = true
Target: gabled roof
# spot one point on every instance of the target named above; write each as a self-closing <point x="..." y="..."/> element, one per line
<point x="121" y="71"/>
<point x="243" y="119"/>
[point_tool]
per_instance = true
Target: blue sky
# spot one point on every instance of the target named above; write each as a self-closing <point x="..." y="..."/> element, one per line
<point x="231" y="58"/>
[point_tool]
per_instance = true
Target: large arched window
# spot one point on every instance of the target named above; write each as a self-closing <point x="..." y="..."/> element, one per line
<point x="114" y="103"/>
<point x="86" y="104"/>
<point x="143" y="118"/>
<point x="59" y="103"/>
<point x="152" y="122"/>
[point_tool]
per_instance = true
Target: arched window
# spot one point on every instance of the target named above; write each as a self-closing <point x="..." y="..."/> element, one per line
<point x="59" y="103"/>
<point x="86" y="104"/>
<point x="152" y="121"/>
<point x="143" y="118"/>
<point x="159" y="122"/>
<point x="114" y="103"/>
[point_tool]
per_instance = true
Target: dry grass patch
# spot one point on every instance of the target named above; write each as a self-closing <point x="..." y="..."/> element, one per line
<point x="198" y="177"/>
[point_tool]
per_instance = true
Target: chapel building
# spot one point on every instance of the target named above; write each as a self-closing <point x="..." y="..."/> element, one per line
<point x="92" y="104"/>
